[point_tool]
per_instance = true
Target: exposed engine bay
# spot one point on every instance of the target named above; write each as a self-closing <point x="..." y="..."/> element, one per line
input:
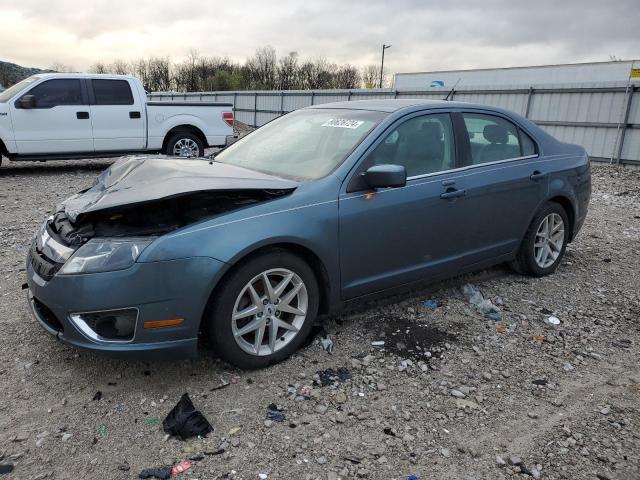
<point x="156" y="217"/>
<point x="146" y="197"/>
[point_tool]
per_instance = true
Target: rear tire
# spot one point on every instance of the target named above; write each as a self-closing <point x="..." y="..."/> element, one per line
<point x="544" y="243"/>
<point x="244" y="303"/>
<point x="184" y="144"/>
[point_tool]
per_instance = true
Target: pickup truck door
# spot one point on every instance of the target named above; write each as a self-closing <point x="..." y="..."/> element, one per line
<point x="58" y="121"/>
<point x="117" y="114"/>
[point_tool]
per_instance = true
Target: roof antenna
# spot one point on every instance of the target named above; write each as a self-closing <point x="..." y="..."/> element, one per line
<point x="450" y="94"/>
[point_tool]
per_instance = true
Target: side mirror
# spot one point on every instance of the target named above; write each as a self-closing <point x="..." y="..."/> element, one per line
<point x="27" y="101"/>
<point x="386" y="176"/>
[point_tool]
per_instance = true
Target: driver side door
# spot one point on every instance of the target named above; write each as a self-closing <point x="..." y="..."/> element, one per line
<point x="59" y="122"/>
<point x="394" y="236"/>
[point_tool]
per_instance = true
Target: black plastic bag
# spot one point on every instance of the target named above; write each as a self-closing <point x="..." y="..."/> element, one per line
<point x="162" y="473"/>
<point x="184" y="421"/>
<point x="4" y="469"/>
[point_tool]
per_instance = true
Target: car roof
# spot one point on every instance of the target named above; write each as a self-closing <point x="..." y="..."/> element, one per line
<point x="393" y="105"/>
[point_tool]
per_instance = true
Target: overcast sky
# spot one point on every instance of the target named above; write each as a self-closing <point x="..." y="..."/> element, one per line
<point x="426" y="35"/>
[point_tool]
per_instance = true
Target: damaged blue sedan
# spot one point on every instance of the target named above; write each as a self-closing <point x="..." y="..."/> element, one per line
<point x="323" y="206"/>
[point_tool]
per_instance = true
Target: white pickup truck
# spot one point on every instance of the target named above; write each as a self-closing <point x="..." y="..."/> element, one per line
<point x="62" y="116"/>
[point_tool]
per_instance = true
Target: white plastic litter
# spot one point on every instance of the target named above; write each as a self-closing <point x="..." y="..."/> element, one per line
<point x="553" y="320"/>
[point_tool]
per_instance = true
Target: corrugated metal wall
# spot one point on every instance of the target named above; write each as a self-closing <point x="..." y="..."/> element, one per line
<point x="603" y="118"/>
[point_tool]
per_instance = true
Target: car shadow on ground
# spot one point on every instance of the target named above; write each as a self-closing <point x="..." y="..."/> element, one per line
<point x="101" y="368"/>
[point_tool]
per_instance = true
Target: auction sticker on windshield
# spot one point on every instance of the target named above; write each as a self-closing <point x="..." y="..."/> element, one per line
<point x="342" y="123"/>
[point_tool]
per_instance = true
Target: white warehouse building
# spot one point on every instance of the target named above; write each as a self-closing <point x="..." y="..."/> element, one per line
<point x="620" y="72"/>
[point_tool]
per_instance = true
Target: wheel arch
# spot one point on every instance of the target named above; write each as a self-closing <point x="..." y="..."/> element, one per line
<point x="188" y="128"/>
<point x="4" y="152"/>
<point x="307" y="254"/>
<point x="570" y="210"/>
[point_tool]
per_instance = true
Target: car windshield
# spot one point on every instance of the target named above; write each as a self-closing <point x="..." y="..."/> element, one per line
<point x="303" y="145"/>
<point x="11" y="91"/>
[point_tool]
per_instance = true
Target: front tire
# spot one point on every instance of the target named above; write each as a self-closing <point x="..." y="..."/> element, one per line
<point x="263" y="310"/>
<point x="544" y="243"/>
<point x="184" y="144"/>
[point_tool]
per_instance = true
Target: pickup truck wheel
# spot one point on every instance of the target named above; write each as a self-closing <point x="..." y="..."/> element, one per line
<point x="263" y="311"/>
<point x="184" y="145"/>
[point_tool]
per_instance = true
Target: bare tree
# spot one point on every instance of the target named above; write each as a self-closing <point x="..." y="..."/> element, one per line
<point x="119" y="67"/>
<point x="262" y="68"/>
<point x="61" y="67"/>
<point x="370" y="76"/>
<point x="98" y="68"/>
<point x="347" y="76"/>
<point x="288" y="72"/>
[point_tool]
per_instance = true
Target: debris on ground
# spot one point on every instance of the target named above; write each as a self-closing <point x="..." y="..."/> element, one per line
<point x="6" y="468"/>
<point x="97" y="396"/>
<point x="220" y="387"/>
<point x="430" y="304"/>
<point x="161" y="473"/>
<point x="552" y="321"/>
<point x="327" y="344"/>
<point x="484" y="305"/>
<point x="377" y="343"/>
<point x="153" y="420"/>
<point x="330" y="376"/>
<point x="184" y="421"/>
<point x="275" y="413"/>
<point x="180" y="468"/>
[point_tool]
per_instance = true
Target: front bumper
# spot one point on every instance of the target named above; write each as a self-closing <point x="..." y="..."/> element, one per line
<point x="159" y="290"/>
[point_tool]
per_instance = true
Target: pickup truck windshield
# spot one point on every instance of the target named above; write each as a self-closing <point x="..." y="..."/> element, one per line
<point x="11" y="91"/>
<point x="305" y="144"/>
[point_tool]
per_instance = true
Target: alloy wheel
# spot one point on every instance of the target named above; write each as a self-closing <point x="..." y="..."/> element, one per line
<point x="269" y="311"/>
<point x="186" y="147"/>
<point x="549" y="240"/>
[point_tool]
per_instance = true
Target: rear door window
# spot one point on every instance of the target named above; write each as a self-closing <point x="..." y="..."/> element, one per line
<point x="52" y="93"/>
<point x="493" y="138"/>
<point x="112" y="92"/>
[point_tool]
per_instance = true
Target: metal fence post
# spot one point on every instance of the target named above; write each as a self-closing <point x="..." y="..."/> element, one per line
<point x="313" y="95"/>
<point x="395" y="94"/>
<point x="527" y="108"/>
<point x="281" y="102"/>
<point x="255" y="109"/>
<point x="349" y="96"/>
<point x="625" y="122"/>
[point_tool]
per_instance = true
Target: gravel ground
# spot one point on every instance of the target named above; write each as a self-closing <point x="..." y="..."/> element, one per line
<point x="450" y="395"/>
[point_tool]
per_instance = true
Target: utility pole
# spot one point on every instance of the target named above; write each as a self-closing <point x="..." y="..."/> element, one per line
<point x="384" y="47"/>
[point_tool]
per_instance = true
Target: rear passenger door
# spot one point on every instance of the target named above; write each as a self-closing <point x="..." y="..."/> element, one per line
<point x="117" y="115"/>
<point x="504" y="181"/>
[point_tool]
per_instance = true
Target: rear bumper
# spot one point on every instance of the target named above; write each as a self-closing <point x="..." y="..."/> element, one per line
<point x="158" y="290"/>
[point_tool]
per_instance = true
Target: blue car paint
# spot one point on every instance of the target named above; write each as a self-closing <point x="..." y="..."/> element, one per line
<point x="366" y="242"/>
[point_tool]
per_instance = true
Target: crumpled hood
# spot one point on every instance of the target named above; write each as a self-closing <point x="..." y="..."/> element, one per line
<point x="140" y="179"/>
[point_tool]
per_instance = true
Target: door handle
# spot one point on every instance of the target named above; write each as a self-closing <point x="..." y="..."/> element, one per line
<point x="535" y="176"/>
<point x="134" y="114"/>
<point x="82" y="115"/>
<point x="450" y="194"/>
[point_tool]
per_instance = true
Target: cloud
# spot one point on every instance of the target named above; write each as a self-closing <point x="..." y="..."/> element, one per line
<point x="426" y="35"/>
